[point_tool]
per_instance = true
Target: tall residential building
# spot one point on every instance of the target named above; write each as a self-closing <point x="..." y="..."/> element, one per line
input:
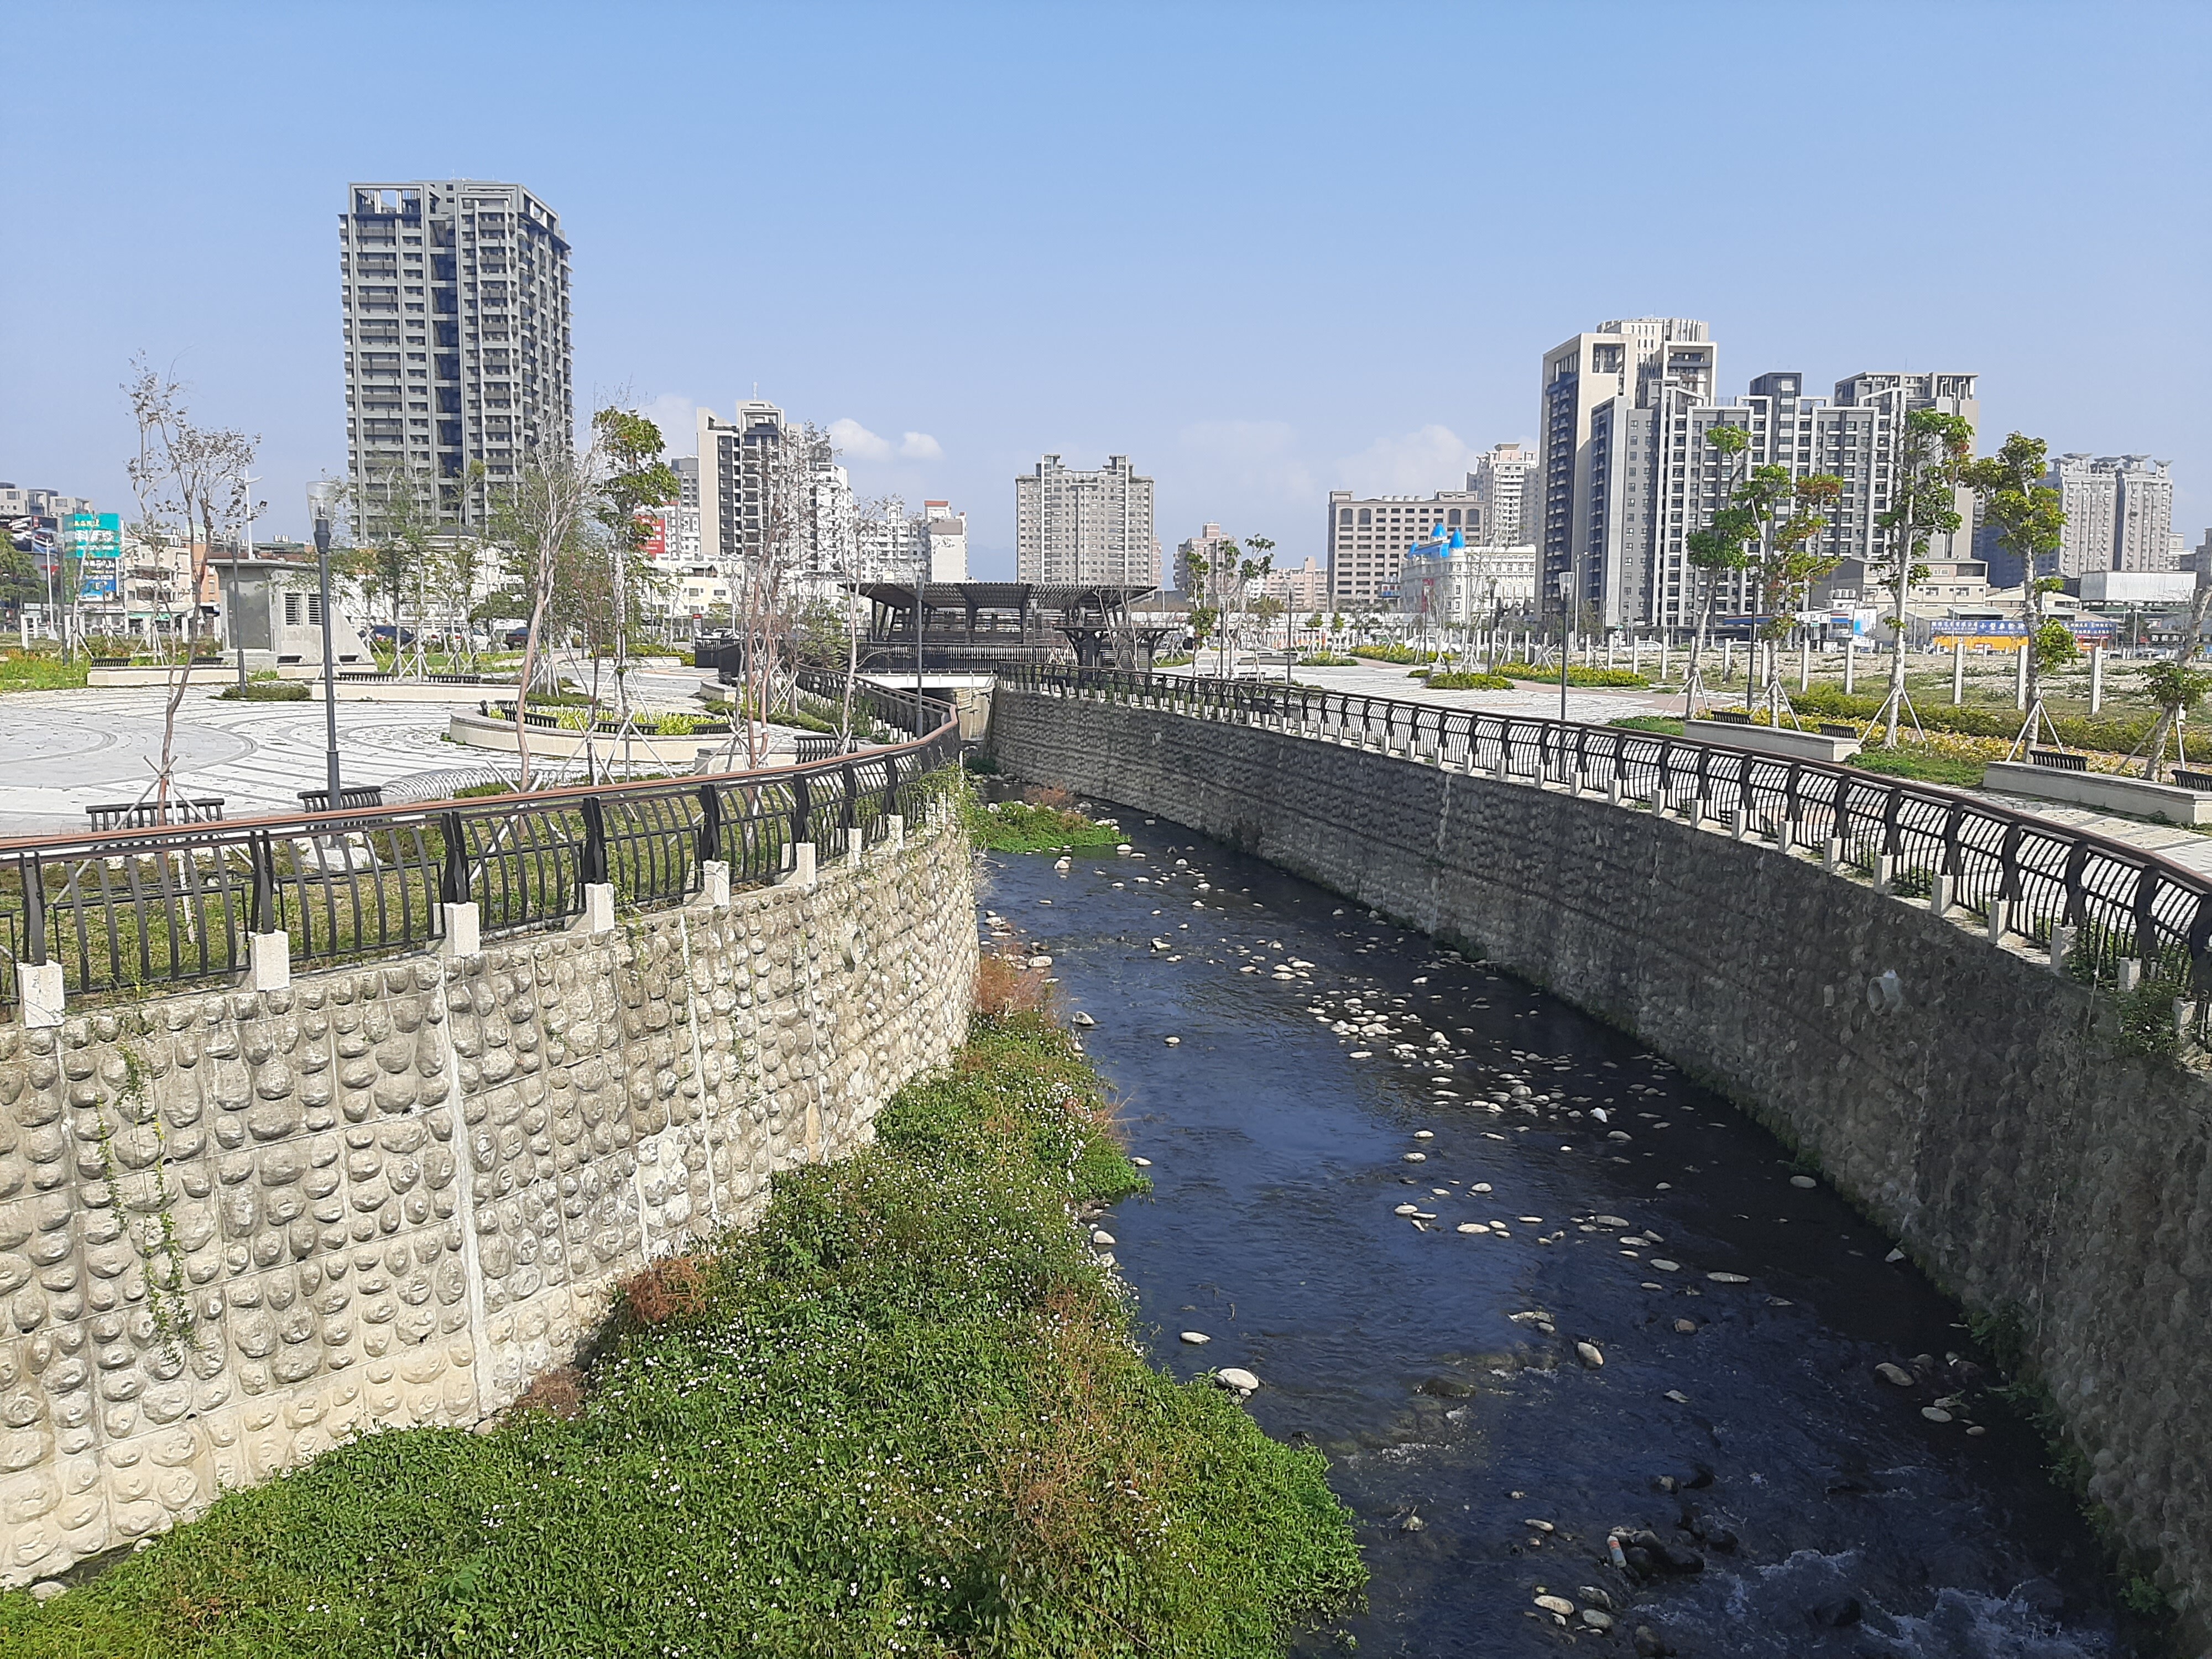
<point x="1303" y="591"/>
<point x="743" y="462"/>
<point x="891" y="543"/>
<point x="455" y="299"/>
<point x="1080" y="528"/>
<point x="1206" y="544"/>
<point x="1602" y="394"/>
<point x="1502" y="479"/>
<point x="2119" y="512"/>
<point x="686" y="468"/>
<point x="1369" y="536"/>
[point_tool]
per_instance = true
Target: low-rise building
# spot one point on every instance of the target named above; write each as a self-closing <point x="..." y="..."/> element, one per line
<point x="1369" y="536"/>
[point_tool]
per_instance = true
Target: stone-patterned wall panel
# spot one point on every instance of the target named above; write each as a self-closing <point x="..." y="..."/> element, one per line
<point x="236" y="1228"/>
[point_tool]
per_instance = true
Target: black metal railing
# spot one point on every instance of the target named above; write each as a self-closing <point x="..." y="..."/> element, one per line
<point x="2116" y="913"/>
<point x="158" y="908"/>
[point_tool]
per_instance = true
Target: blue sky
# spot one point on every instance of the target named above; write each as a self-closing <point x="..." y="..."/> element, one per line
<point x="1264" y="250"/>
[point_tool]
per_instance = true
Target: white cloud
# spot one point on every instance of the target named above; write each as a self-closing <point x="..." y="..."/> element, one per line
<point x="1417" y="464"/>
<point x="856" y="441"/>
<point x="677" y="414"/>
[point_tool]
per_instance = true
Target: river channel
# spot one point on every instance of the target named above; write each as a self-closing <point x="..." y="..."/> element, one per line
<point x="1524" y="1284"/>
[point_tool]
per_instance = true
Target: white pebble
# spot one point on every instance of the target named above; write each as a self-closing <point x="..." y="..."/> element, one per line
<point x="1196" y="1339"/>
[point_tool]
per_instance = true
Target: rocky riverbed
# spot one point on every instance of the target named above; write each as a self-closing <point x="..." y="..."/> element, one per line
<point x="1593" y="1362"/>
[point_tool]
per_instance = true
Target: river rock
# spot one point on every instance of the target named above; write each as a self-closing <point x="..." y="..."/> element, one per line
<point x="1688" y="1327"/>
<point x="1727" y="1279"/>
<point x="1608" y="1221"/>
<point x="1936" y="1413"/>
<point x="1590" y="1354"/>
<point x="1407" y="1209"/>
<point x="1678" y="1397"/>
<point x="1558" y="1606"/>
<point x="1040" y="962"/>
<point x="1597" y="1620"/>
<point x="1100" y="1236"/>
<point x="46" y="1588"/>
<point x="1412" y="1523"/>
<point x="1664" y="1266"/>
<point x="1473" y="1227"/>
<point x="1897" y="1374"/>
<point x="1083" y="1020"/>
<point x="1142" y="1163"/>
<point x="1425" y="1134"/>
<point x="1416" y="1158"/>
<point x="1196" y="1339"/>
<point x="1175" y="1042"/>
<point x="1233" y="1377"/>
<point x="1803" y="1181"/>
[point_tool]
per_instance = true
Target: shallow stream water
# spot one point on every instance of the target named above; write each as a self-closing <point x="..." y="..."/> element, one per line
<point x="1739" y="1312"/>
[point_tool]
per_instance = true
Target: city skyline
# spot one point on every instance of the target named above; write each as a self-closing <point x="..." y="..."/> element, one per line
<point x="1248" y="398"/>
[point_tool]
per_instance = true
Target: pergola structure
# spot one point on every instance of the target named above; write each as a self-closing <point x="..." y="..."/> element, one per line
<point x="970" y="628"/>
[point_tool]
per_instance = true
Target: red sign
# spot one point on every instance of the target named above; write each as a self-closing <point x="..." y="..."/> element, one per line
<point x="654" y="520"/>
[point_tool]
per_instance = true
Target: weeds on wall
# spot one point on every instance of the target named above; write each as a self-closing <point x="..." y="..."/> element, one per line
<point x="906" y="1414"/>
<point x="160" y="1251"/>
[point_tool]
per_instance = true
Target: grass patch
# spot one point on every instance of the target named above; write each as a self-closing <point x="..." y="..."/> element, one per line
<point x="1044" y="821"/>
<point x="1664" y="725"/>
<point x="42" y="670"/>
<point x="2115" y="733"/>
<point x="1927" y="765"/>
<point x="1327" y="659"/>
<point x="1444" y="679"/>
<point x="903" y="1415"/>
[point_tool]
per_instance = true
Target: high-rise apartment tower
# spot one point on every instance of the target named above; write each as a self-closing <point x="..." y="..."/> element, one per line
<point x="1083" y="528"/>
<point x="458" y="355"/>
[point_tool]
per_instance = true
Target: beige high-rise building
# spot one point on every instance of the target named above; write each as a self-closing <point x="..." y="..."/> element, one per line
<point x="1207" y="544"/>
<point x="1077" y="528"/>
<point x="1369" y="536"/>
<point x="2119" y="512"/>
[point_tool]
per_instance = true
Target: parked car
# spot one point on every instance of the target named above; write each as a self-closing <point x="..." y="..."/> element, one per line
<point x="388" y="633"/>
<point x="516" y="638"/>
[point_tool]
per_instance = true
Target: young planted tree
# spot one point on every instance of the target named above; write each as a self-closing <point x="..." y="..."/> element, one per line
<point x="783" y="474"/>
<point x="2027" y="518"/>
<point x="184" y="475"/>
<point x="1717" y="551"/>
<point x="1793" y="514"/>
<point x="1932" y="453"/>
<point x="638" y="478"/>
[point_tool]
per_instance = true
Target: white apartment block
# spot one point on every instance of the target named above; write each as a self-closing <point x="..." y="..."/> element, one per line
<point x="948" y="542"/>
<point x="455" y="295"/>
<point x="1369" y="536"/>
<point x="1503" y="479"/>
<point x="2119" y="512"/>
<point x="1078" y="528"/>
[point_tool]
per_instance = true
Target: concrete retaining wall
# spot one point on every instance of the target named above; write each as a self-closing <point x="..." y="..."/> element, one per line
<point x="393" y="1195"/>
<point x="1985" y="1122"/>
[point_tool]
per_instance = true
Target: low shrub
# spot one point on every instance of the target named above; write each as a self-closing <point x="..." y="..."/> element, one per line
<point x="1327" y="659"/>
<point x="266" y="691"/>
<point x="1445" y="679"/>
<point x="2116" y="734"/>
<point x="1623" y="678"/>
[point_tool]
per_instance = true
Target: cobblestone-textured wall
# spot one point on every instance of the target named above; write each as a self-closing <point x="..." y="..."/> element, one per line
<point x="1989" y="1122"/>
<point x="391" y="1195"/>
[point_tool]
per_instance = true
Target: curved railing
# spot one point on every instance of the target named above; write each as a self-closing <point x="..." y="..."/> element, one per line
<point x="2107" y="911"/>
<point x="153" y="909"/>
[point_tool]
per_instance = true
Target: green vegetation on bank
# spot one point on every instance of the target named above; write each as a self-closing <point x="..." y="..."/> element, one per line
<point x="902" y="1415"/>
<point x="1043" y="821"/>
<point x="1623" y="678"/>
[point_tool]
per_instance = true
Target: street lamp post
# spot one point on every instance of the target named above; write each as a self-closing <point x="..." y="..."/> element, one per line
<point x="331" y="802"/>
<point x="921" y="577"/>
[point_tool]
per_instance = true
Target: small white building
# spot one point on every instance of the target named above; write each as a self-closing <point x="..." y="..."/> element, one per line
<point x="1462" y="587"/>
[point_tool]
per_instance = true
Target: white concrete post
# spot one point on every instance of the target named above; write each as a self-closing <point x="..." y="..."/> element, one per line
<point x="2062" y="946"/>
<point x="1885" y="872"/>
<point x="463" y="931"/>
<point x="1738" y="822"/>
<point x="1832" y="856"/>
<point x="2096" y="679"/>
<point x="1939" y="893"/>
<point x="271" y="955"/>
<point x="715" y="882"/>
<point x="598" y="907"/>
<point x="855" y="838"/>
<point x="1851" y="662"/>
<point x="2184" y="1016"/>
<point x="1958" y="670"/>
<point x="2130" y="972"/>
<point x="38" y="988"/>
<point x="1999" y="919"/>
<point x="1613" y="793"/>
<point x="896" y="831"/>
<point x="2019" y="676"/>
<point x="803" y="868"/>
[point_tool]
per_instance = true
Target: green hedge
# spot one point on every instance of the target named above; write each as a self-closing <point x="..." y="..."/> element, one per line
<point x="1449" y="680"/>
<point x="904" y="1414"/>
